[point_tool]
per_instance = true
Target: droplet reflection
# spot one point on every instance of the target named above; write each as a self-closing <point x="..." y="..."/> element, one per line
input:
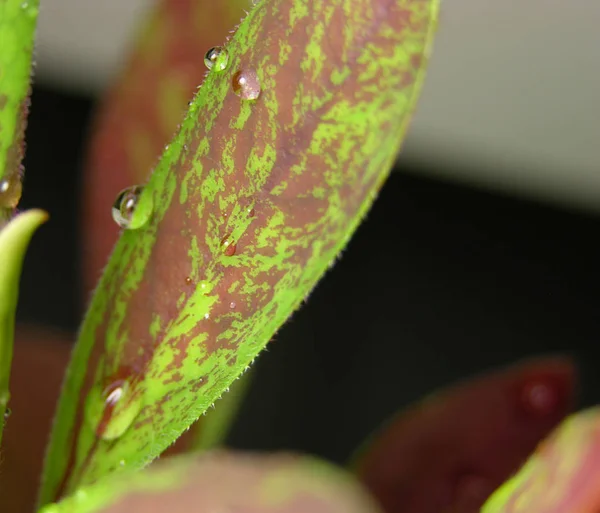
<point x="246" y="84"/>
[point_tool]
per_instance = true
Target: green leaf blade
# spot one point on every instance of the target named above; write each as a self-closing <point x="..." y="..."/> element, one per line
<point x="17" y="31"/>
<point x="14" y="240"/>
<point x="253" y="201"/>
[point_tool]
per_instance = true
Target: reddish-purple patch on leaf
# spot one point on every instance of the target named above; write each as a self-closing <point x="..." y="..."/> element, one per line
<point x="448" y="454"/>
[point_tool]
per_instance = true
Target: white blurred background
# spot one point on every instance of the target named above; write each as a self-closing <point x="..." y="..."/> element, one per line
<point x="511" y="101"/>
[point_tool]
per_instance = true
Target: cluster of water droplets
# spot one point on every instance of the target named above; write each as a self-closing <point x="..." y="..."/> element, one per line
<point x="110" y="411"/>
<point x="126" y="210"/>
<point x="245" y="82"/>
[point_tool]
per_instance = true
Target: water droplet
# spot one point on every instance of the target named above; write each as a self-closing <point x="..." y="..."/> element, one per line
<point x="80" y="495"/>
<point x="251" y="212"/>
<point x="188" y="281"/>
<point x="217" y="58"/>
<point x="31" y="10"/>
<point x="229" y="247"/>
<point x="539" y="398"/>
<point x="122" y="463"/>
<point x="246" y="84"/>
<point x="131" y="210"/>
<point x="230" y="250"/>
<point x="113" y="395"/>
<point x="112" y="410"/>
<point x="232" y="305"/>
<point x="10" y="191"/>
<point x="7" y="413"/>
<point x="206" y="316"/>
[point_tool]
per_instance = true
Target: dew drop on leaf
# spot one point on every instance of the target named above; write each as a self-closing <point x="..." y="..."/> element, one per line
<point x="246" y="84"/>
<point x="30" y="10"/>
<point x="229" y="247"/>
<point x="129" y="211"/>
<point x="10" y="191"/>
<point x="80" y="495"/>
<point x="539" y="398"/>
<point x="217" y="58"/>
<point x="110" y="411"/>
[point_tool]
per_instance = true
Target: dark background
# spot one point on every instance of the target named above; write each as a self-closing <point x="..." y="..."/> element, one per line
<point x="440" y="282"/>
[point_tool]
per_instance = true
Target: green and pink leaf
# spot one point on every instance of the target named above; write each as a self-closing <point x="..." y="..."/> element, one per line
<point x="141" y="112"/>
<point x="136" y="119"/>
<point x="221" y="481"/>
<point x="17" y="26"/>
<point x="252" y="202"/>
<point x="563" y="476"/>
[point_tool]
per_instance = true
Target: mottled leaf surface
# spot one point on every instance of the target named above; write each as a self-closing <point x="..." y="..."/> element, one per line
<point x="141" y="112"/>
<point x="253" y="201"/>
<point x="14" y="240"/>
<point x="17" y="30"/>
<point x="137" y="118"/>
<point x="563" y="476"/>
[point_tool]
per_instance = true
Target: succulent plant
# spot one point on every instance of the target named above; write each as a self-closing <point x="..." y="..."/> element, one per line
<point x="218" y="210"/>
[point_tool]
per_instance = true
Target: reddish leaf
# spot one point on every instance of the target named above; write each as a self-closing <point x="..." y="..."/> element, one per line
<point x="451" y="452"/>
